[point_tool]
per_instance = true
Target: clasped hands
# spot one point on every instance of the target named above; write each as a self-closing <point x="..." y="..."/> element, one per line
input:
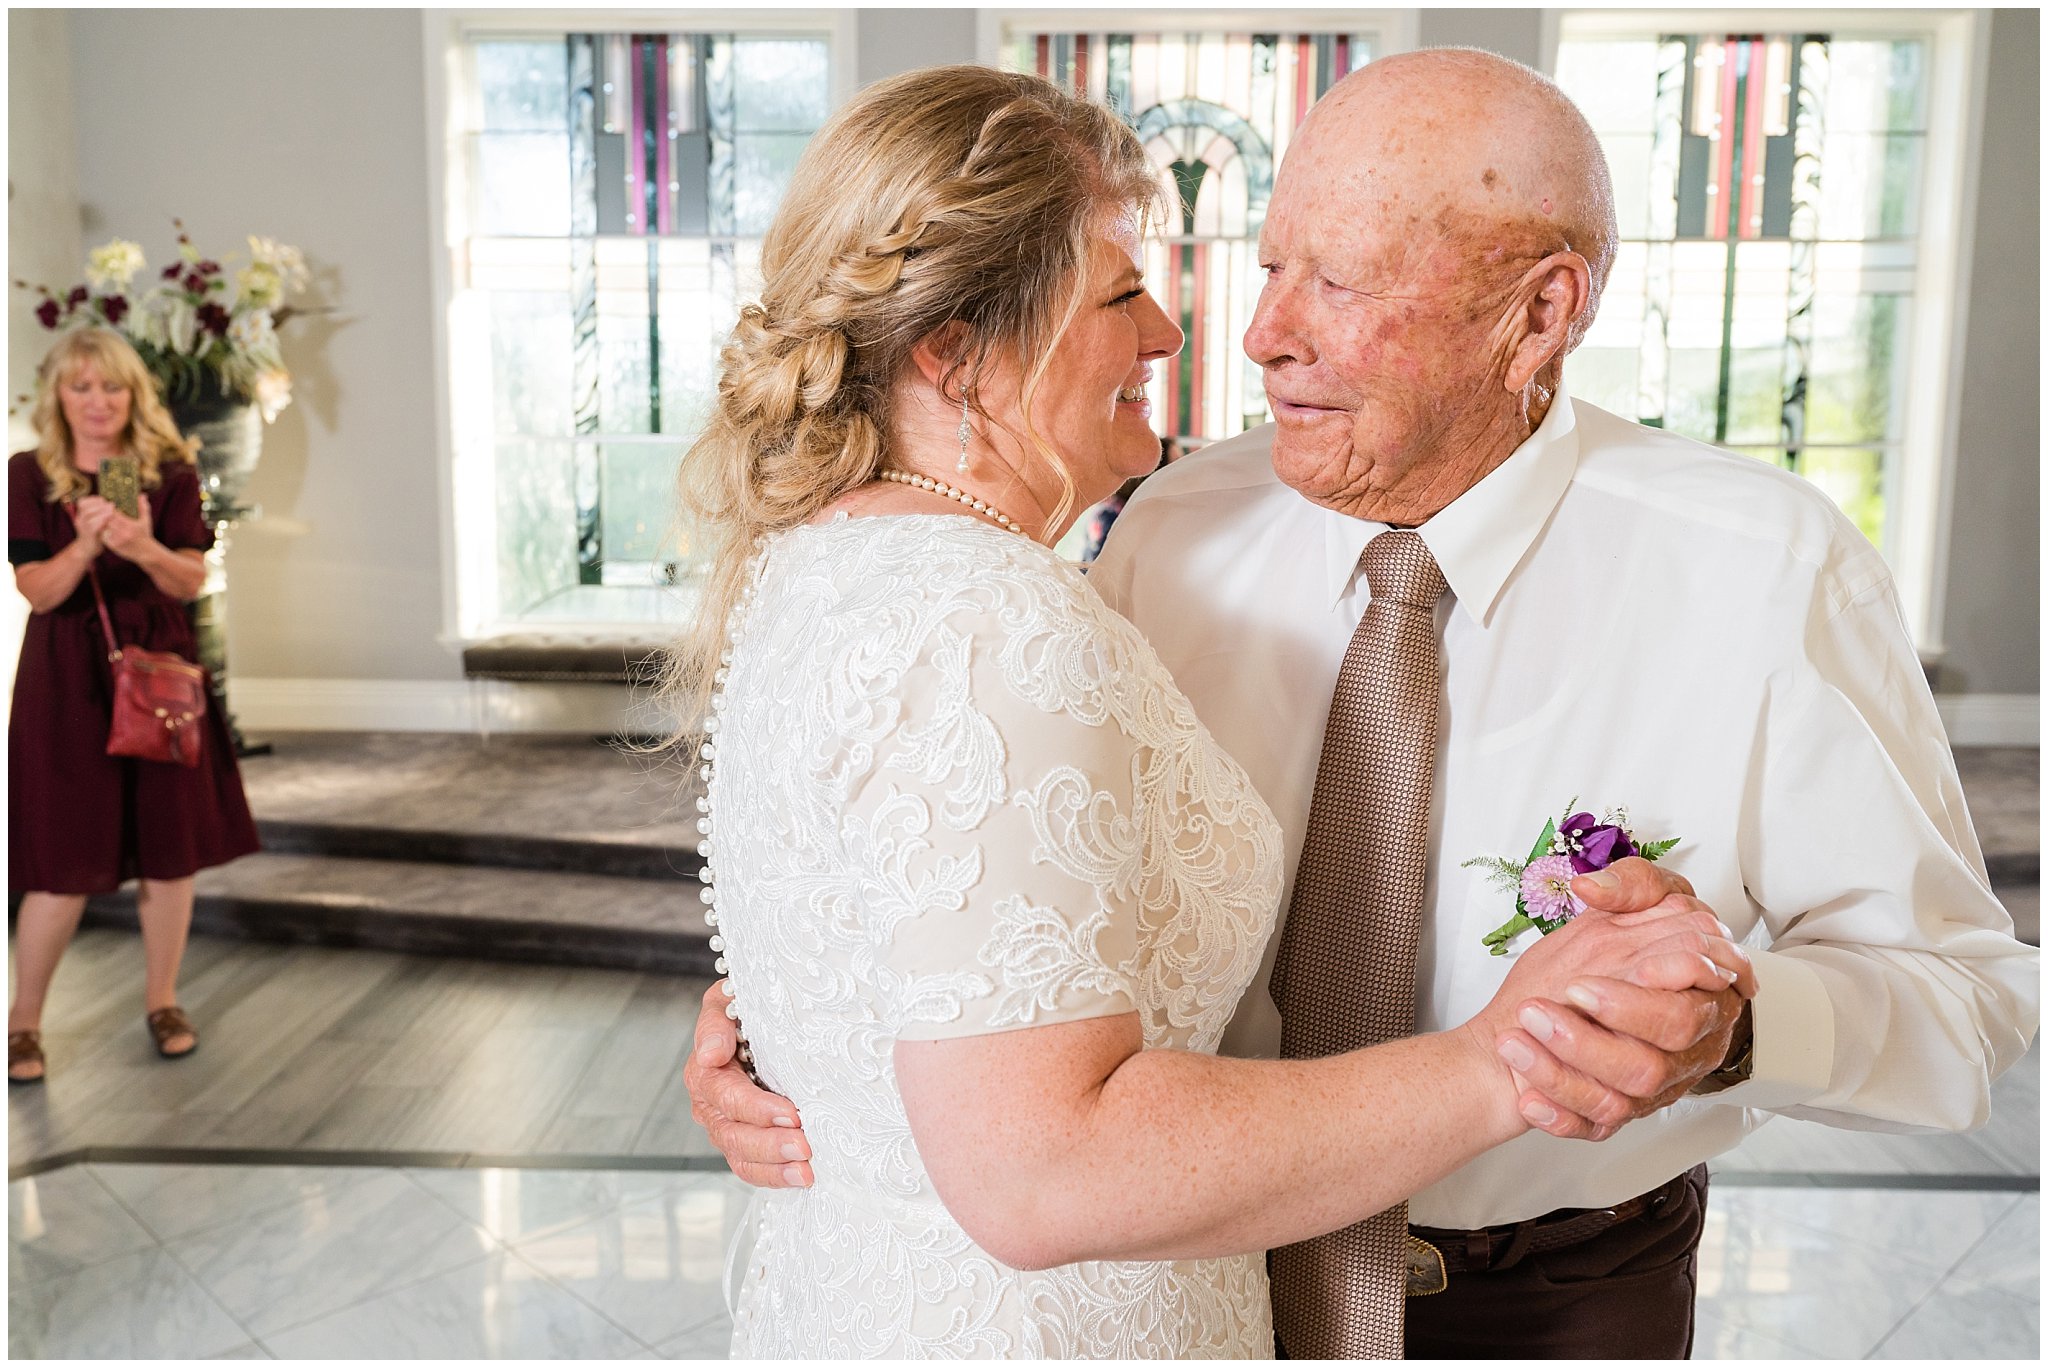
<point x="1608" y="1019"/>
<point x="100" y="524"/>
<point x="1622" y="1011"/>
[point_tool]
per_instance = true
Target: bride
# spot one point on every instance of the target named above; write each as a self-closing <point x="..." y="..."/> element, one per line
<point x="989" y="891"/>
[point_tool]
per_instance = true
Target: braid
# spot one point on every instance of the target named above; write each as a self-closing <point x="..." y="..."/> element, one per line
<point x="949" y="196"/>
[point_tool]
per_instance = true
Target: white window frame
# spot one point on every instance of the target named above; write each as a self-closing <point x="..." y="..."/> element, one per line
<point x="463" y="456"/>
<point x="1919" y="510"/>
<point x="1393" y="30"/>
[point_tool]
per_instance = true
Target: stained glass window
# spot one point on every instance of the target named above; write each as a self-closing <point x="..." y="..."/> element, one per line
<point x="1216" y="111"/>
<point x="613" y="189"/>
<point x="1768" y="189"/>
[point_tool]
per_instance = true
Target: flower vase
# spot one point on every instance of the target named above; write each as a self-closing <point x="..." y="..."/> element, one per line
<point x="230" y="435"/>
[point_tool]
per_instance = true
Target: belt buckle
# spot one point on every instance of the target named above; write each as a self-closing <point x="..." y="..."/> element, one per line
<point x="1426" y="1274"/>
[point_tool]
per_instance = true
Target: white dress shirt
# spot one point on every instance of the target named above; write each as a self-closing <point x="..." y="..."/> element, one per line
<point x="1635" y="619"/>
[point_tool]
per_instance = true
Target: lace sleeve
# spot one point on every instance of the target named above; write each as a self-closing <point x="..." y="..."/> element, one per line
<point x="999" y="808"/>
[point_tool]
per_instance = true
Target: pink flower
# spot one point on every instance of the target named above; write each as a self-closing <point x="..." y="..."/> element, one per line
<point x="1547" y="889"/>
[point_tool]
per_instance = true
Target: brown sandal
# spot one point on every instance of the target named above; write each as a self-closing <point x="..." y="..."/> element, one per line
<point x="167" y="1024"/>
<point x="25" y="1047"/>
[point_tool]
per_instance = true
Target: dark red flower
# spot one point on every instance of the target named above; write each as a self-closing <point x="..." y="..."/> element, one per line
<point x="172" y="271"/>
<point x="211" y="268"/>
<point x="47" y="313"/>
<point x="79" y="294"/>
<point x="114" y="308"/>
<point x="196" y="283"/>
<point x="214" y="319"/>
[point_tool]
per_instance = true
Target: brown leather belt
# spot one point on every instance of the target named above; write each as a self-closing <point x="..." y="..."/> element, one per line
<point x="1503" y="1246"/>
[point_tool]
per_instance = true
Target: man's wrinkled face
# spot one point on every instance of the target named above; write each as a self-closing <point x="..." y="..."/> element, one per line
<point x="1379" y="326"/>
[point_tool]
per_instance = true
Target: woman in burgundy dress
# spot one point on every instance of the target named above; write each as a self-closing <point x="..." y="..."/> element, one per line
<point x="79" y="820"/>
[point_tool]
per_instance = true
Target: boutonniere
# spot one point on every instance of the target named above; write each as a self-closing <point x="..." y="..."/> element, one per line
<point x="1569" y="846"/>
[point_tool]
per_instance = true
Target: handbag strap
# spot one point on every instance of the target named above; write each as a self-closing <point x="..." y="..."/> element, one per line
<point x="99" y="596"/>
<point x="106" y="620"/>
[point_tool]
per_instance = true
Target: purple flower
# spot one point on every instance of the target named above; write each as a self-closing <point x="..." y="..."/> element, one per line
<point x="47" y="313"/>
<point x="1592" y="844"/>
<point x="1547" y="889"/>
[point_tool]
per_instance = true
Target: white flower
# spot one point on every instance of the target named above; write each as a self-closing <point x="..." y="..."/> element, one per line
<point x="286" y="263"/>
<point x="260" y="285"/>
<point x="273" y="392"/>
<point x="251" y="333"/>
<point x="181" y="323"/>
<point x="145" y="322"/>
<point x="110" y="268"/>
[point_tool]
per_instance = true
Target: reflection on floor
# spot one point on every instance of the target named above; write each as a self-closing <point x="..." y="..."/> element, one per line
<point x="432" y="1070"/>
<point x="239" y="1261"/>
<point x="190" y="1261"/>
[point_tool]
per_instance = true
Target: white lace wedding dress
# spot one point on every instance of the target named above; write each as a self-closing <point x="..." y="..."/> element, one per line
<point x="953" y="793"/>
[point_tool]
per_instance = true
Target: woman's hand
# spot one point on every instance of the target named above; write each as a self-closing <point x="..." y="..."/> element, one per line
<point x="88" y="519"/>
<point x="132" y="539"/>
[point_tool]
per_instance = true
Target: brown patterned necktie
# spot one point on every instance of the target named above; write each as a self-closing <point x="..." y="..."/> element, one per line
<point x="1345" y="974"/>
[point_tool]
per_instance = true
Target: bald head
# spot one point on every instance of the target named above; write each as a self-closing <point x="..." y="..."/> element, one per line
<point x="1456" y="138"/>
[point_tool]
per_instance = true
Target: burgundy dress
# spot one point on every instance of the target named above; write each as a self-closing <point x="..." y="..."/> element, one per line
<point x="80" y="820"/>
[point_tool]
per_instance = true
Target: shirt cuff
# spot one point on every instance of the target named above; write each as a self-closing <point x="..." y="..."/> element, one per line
<point x="1793" y="1024"/>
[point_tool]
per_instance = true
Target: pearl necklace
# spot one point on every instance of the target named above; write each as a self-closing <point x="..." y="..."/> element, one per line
<point x="961" y="496"/>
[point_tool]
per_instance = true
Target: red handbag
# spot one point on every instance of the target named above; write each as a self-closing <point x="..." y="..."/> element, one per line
<point x="159" y="699"/>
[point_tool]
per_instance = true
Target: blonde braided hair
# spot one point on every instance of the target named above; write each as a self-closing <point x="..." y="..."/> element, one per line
<point x="956" y="195"/>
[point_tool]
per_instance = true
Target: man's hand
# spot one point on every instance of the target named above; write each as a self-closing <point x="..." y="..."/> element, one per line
<point x="1650" y="1048"/>
<point x="1636" y="1044"/>
<point x="1675" y="946"/>
<point x="756" y="1131"/>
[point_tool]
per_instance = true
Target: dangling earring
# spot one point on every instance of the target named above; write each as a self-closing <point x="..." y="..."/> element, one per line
<point x="962" y="467"/>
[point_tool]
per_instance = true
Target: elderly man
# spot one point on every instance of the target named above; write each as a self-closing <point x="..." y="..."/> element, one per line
<point x="1622" y="619"/>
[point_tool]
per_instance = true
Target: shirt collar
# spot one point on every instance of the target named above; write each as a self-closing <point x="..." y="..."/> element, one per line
<point x="1484" y="533"/>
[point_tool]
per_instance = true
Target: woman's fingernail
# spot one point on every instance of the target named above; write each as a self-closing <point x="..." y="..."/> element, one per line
<point x="1538" y="1113"/>
<point x="1536" y="1022"/>
<point x="1582" y="997"/>
<point x="1516" y="1054"/>
<point x="1605" y="880"/>
<point x="794" y="1175"/>
<point x="794" y="1152"/>
<point x="785" y="1121"/>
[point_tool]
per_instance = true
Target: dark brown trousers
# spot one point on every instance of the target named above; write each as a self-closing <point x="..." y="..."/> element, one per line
<point x="1627" y="1293"/>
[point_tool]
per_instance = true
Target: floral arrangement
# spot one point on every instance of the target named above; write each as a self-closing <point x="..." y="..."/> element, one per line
<point x="1569" y="846"/>
<point x="191" y="324"/>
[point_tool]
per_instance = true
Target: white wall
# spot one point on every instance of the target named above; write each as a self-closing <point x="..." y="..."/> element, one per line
<point x="896" y="40"/>
<point x="1991" y="622"/>
<point x="44" y="244"/>
<point x="307" y="126"/>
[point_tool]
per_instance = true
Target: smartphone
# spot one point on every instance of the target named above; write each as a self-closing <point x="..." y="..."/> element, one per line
<point x="121" y="484"/>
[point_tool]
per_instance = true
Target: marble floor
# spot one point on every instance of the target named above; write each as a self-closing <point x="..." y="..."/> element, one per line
<point x="290" y="1261"/>
<point x="382" y="1156"/>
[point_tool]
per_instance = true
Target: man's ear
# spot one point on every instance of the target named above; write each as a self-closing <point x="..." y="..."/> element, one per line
<point x="1557" y="290"/>
<point x="940" y="353"/>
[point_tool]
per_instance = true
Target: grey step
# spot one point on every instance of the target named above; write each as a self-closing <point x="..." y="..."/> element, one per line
<point x="627" y="859"/>
<point x="587" y="920"/>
